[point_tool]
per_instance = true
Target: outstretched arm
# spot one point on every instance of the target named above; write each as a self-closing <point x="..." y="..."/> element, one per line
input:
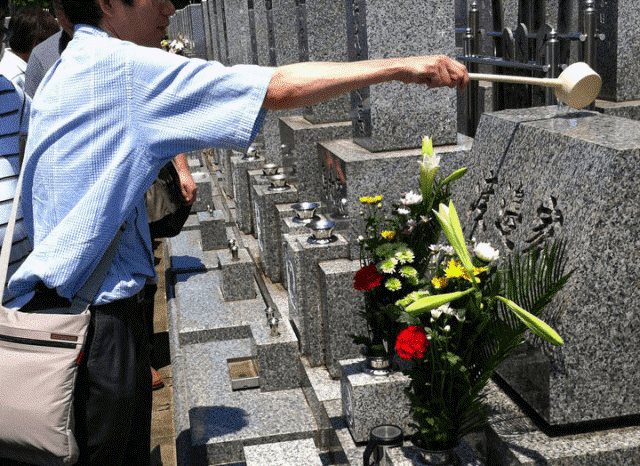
<point x="308" y="83"/>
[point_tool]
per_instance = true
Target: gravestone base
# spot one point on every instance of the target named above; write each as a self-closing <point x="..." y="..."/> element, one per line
<point x="302" y="269"/>
<point x="267" y="225"/>
<point x="366" y="400"/>
<point x="240" y="167"/>
<point x="341" y="307"/>
<point x="353" y="172"/>
<point x="629" y="109"/>
<point x="301" y="138"/>
<point x="213" y="230"/>
<point x="238" y="281"/>
<point x="513" y="440"/>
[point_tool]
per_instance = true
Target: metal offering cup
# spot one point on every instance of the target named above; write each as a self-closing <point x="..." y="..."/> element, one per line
<point x="270" y="169"/>
<point x="322" y="231"/>
<point x="278" y="181"/>
<point x="305" y="211"/>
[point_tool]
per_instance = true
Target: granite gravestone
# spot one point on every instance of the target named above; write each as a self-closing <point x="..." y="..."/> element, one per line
<point x="276" y="23"/>
<point x="197" y="31"/>
<point x="208" y="38"/>
<point x="537" y="175"/>
<point x="239" y="34"/>
<point x="394" y="115"/>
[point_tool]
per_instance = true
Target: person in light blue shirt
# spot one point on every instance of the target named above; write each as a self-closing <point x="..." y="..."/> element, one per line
<point x="114" y="109"/>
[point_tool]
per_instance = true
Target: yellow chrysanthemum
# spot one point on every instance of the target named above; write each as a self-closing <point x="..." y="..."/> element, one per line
<point x="454" y="269"/>
<point x="370" y="200"/>
<point x="439" y="282"/>
<point x="388" y="234"/>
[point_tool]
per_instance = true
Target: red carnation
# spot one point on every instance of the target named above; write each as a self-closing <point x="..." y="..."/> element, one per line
<point x="366" y="278"/>
<point x="412" y="343"/>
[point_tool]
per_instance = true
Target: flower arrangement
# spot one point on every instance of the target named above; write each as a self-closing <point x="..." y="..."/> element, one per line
<point x="465" y="322"/>
<point x="394" y="252"/>
<point x="178" y="45"/>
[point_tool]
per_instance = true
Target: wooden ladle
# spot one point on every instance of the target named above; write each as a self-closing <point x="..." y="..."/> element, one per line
<point x="578" y="85"/>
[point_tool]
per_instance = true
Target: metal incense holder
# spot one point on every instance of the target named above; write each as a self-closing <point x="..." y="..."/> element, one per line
<point x="305" y="212"/>
<point x="322" y="232"/>
<point x="278" y="182"/>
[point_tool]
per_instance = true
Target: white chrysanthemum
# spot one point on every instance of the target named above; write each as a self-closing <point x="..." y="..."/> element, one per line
<point x="486" y="252"/>
<point x="411" y="198"/>
<point x="403" y="211"/>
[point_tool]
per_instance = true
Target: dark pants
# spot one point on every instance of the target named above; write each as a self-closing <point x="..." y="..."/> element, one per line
<point x="112" y="403"/>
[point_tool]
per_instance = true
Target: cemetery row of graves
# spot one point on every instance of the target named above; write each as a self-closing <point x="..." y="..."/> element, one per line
<point x="261" y="299"/>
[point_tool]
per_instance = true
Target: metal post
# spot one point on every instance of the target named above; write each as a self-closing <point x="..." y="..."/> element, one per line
<point x="589" y="28"/>
<point x="553" y="52"/>
<point x="472" y="47"/>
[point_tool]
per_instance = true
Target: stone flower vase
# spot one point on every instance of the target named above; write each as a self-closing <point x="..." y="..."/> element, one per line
<point x="377" y="364"/>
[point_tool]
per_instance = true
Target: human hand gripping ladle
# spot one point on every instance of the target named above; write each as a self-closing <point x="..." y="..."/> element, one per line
<point x="577" y="86"/>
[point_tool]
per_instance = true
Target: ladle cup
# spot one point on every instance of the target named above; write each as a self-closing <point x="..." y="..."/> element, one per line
<point x="577" y="86"/>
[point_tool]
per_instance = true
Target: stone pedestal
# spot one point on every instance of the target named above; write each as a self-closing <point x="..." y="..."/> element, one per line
<point x="301" y="262"/>
<point x="371" y="400"/>
<point x="301" y="138"/>
<point x="351" y="172"/>
<point x="394" y="115"/>
<point x="238" y="281"/>
<point x="267" y="226"/>
<point x="341" y="307"/>
<point x="213" y="231"/>
<point x="536" y="175"/>
<point x="278" y="356"/>
<point x="289" y="225"/>
<point x="241" y="192"/>
<point x="204" y="194"/>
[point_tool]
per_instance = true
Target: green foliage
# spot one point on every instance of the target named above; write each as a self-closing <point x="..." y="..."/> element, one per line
<point x="41" y="3"/>
<point x="398" y="244"/>
<point x="470" y="338"/>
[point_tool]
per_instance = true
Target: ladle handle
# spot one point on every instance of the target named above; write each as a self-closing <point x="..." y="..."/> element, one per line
<point x="546" y="82"/>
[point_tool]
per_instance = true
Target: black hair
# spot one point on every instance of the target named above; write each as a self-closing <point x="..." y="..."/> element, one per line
<point x="85" y="11"/>
<point x="30" y="26"/>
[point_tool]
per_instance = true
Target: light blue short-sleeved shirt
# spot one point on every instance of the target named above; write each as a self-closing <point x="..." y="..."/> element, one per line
<point x="106" y="117"/>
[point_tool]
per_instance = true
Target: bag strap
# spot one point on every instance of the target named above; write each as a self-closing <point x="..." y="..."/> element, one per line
<point x="7" y="242"/>
<point x="84" y="297"/>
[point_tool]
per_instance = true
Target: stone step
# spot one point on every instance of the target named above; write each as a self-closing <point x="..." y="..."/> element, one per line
<point x="294" y="452"/>
<point x="222" y="421"/>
